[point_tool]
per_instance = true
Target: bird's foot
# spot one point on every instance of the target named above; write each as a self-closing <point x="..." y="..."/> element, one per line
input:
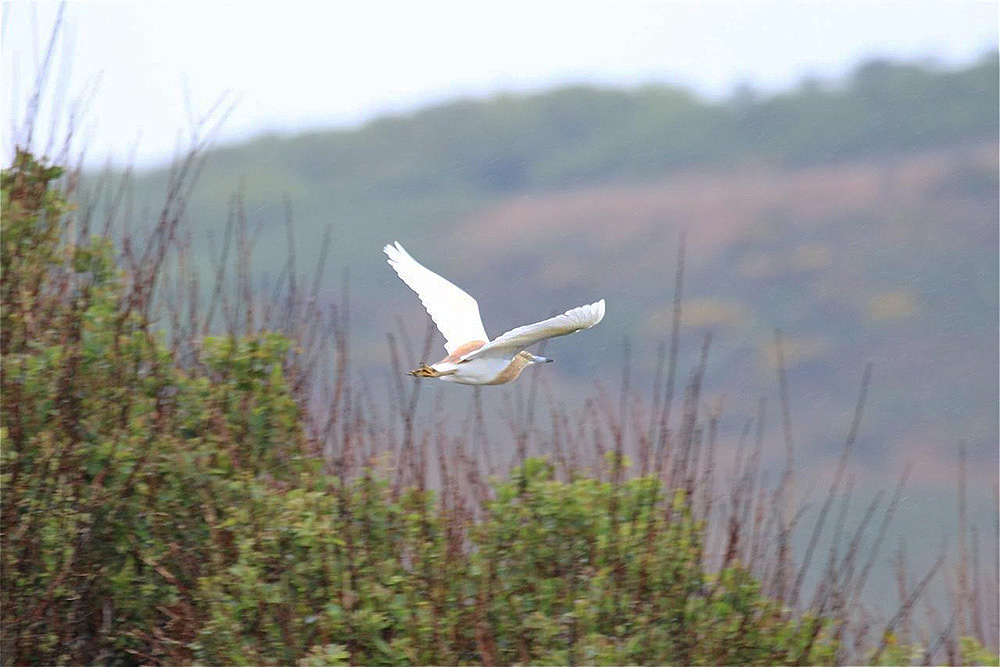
<point x="424" y="371"/>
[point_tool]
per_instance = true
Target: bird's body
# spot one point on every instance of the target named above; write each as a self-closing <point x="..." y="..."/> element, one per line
<point x="497" y="370"/>
<point x="472" y="357"/>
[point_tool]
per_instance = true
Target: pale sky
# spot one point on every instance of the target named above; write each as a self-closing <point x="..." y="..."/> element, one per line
<point x="309" y="65"/>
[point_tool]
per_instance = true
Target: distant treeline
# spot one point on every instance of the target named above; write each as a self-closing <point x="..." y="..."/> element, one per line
<point x="582" y="134"/>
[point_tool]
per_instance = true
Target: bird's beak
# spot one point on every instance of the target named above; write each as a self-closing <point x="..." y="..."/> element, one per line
<point x="540" y="360"/>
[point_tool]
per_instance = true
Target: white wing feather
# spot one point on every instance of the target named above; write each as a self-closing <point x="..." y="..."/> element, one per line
<point x="515" y="340"/>
<point x="455" y="313"/>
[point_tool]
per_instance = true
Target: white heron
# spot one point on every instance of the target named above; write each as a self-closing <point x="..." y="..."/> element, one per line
<point x="472" y="357"/>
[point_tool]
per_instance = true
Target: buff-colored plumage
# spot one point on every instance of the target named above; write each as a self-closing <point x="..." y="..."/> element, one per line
<point x="472" y="357"/>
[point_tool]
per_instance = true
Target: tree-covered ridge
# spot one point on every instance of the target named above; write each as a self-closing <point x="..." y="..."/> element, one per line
<point x="579" y="135"/>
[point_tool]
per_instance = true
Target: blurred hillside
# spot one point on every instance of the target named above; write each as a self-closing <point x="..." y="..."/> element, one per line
<point x="859" y="216"/>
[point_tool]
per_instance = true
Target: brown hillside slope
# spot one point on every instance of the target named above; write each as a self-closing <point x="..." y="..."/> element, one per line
<point x="714" y="208"/>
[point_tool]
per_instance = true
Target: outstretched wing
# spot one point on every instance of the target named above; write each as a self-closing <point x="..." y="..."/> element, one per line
<point x="517" y="339"/>
<point x="455" y="313"/>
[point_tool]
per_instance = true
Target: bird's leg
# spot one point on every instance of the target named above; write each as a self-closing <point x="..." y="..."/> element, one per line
<point x="425" y="371"/>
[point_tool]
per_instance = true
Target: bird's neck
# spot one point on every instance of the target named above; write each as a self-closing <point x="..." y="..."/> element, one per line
<point x="513" y="369"/>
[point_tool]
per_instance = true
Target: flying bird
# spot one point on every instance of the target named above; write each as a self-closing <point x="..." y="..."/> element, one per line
<point x="472" y="357"/>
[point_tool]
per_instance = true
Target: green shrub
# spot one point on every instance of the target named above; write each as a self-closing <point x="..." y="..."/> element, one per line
<point x="117" y="462"/>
